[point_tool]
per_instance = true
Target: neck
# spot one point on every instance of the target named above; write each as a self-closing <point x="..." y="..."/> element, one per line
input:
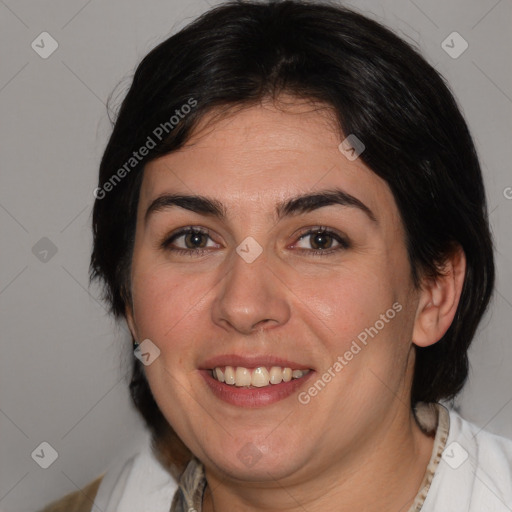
<point x="372" y="479"/>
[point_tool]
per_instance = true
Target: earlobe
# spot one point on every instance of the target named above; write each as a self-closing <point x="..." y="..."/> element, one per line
<point x="130" y="321"/>
<point x="439" y="299"/>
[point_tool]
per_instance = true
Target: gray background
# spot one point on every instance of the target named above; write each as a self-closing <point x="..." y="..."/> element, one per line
<point x="64" y="363"/>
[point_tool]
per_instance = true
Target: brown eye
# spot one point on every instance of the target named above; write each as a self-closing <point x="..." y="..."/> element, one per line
<point x="191" y="240"/>
<point x="195" y="239"/>
<point x="322" y="242"/>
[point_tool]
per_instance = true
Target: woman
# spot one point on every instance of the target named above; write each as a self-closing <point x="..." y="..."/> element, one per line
<point x="291" y="218"/>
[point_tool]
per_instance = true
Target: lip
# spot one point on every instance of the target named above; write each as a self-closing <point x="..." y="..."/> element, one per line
<point x="254" y="397"/>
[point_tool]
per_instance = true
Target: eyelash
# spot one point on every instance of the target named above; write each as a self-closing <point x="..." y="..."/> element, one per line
<point x="343" y="243"/>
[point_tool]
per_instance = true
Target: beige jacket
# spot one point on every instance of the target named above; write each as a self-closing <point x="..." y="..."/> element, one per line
<point x="79" y="501"/>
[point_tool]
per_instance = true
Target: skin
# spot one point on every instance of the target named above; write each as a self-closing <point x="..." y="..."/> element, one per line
<point x="355" y="445"/>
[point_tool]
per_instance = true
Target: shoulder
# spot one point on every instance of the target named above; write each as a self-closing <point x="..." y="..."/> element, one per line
<point x="475" y="470"/>
<point x="79" y="501"/>
<point x="486" y="452"/>
<point x="136" y="480"/>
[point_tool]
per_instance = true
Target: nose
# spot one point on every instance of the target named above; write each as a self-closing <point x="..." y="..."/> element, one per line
<point x="251" y="297"/>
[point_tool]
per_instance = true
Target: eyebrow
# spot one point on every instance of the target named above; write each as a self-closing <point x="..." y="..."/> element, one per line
<point x="293" y="206"/>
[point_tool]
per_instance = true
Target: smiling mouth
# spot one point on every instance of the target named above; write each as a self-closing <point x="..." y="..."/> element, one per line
<point x="259" y="377"/>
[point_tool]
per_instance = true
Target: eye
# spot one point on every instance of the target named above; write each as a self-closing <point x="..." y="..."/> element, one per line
<point x="322" y="241"/>
<point x="193" y="241"/>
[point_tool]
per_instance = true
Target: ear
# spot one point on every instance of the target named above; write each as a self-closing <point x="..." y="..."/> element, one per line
<point x="130" y="321"/>
<point x="439" y="298"/>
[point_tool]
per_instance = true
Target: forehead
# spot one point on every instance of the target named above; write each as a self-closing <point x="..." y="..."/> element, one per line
<point x="263" y="154"/>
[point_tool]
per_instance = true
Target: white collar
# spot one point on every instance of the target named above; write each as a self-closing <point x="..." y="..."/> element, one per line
<point x="136" y="481"/>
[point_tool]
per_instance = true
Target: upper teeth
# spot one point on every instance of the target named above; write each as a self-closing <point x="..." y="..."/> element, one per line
<point x="258" y="377"/>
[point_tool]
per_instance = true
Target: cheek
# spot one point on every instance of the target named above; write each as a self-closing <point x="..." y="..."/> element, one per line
<point x="347" y="302"/>
<point x="161" y="301"/>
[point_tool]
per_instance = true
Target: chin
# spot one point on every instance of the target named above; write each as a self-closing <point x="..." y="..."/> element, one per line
<point x="248" y="460"/>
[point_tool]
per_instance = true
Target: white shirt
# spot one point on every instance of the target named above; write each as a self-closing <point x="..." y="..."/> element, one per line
<point x="474" y="473"/>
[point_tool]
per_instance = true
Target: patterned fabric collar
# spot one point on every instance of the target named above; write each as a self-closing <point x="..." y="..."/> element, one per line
<point x="192" y="484"/>
<point x="439" y="415"/>
<point x="430" y="417"/>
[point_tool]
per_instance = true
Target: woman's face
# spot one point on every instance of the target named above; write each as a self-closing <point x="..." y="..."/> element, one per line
<point x="259" y="287"/>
